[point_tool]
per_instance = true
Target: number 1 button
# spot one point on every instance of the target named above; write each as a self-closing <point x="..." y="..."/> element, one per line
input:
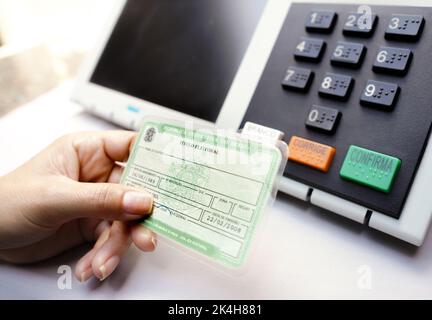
<point x="321" y="21"/>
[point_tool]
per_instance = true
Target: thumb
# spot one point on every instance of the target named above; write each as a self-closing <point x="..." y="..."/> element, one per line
<point x="108" y="201"/>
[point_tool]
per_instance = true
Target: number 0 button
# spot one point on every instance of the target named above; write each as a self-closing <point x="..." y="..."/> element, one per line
<point x="336" y="86"/>
<point x="380" y="94"/>
<point x="323" y="119"/>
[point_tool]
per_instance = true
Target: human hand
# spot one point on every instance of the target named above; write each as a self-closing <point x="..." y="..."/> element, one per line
<point x="69" y="194"/>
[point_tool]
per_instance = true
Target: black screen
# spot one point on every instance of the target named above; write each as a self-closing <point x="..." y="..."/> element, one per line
<point x="181" y="54"/>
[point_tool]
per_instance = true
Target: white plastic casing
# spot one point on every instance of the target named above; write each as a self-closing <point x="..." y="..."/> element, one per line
<point x="128" y="111"/>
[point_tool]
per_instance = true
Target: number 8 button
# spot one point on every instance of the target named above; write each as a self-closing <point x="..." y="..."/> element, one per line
<point x="336" y="86"/>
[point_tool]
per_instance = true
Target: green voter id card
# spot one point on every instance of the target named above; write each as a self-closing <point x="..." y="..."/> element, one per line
<point x="210" y="188"/>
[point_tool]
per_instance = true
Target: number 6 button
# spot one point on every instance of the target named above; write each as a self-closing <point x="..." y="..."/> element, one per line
<point x="392" y="60"/>
<point x="380" y="94"/>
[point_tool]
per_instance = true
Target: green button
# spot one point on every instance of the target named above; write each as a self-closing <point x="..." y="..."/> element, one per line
<point x="370" y="168"/>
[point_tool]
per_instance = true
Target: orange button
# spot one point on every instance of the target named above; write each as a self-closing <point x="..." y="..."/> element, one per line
<point x="310" y="153"/>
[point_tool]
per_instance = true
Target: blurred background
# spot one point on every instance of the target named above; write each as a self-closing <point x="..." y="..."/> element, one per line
<point x="42" y="43"/>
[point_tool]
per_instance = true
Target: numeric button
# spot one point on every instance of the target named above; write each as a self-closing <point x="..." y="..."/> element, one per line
<point x="297" y="79"/>
<point x="403" y="27"/>
<point x="321" y="21"/>
<point x="323" y="119"/>
<point x="336" y="86"/>
<point x="380" y="94"/>
<point x="309" y="49"/>
<point x="348" y="54"/>
<point x="360" y="25"/>
<point x="392" y="60"/>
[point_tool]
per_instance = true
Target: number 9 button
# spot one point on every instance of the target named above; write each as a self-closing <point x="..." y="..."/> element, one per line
<point x="380" y="94"/>
<point x="392" y="60"/>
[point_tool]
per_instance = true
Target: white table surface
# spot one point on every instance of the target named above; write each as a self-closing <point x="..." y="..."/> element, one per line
<point x="304" y="252"/>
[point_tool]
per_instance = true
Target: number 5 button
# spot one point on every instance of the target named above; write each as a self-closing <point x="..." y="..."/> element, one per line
<point x="392" y="60"/>
<point x="348" y="54"/>
<point x="380" y="94"/>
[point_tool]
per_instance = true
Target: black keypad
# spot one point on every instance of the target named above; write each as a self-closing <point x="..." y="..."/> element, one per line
<point x="309" y="49"/>
<point x="321" y="21"/>
<point x="336" y="86"/>
<point x="392" y="60"/>
<point x="380" y="94"/>
<point x="375" y="82"/>
<point x="323" y="119"/>
<point x="297" y="79"/>
<point x="348" y="54"/>
<point x="360" y="25"/>
<point x="404" y="27"/>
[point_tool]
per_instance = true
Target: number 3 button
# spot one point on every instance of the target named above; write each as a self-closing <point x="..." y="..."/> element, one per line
<point x="404" y="27"/>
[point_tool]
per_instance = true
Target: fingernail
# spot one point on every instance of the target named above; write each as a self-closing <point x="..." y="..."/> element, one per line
<point x="85" y="275"/>
<point x="148" y="236"/>
<point x="154" y="241"/>
<point x="138" y="203"/>
<point x="108" y="267"/>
